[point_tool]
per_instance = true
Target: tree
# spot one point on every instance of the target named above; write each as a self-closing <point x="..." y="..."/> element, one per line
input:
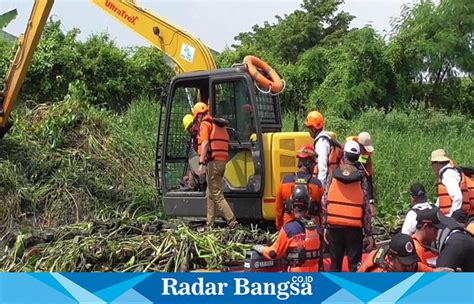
<point x="432" y="49"/>
<point x="316" y="22"/>
<point x="357" y="75"/>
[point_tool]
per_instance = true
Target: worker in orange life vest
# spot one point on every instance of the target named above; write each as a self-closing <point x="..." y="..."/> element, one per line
<point x="213" y="150"/>
<point x="298" y="241"/>
<point x="365" y="163"/>
<point x="453" y="194"/>
<point x="328" y="151"/>
<point x="426" y="231"/>
<point x="306" y="162"/>
<point x="398" y="256"/>
<point x="346" y="211"/>
<point x="455" y="244"/>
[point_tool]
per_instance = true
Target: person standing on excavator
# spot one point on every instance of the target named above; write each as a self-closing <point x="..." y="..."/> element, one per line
<point x="213" y="150"/>
<point x="298" y="240"/>
<point x="306" y="162"/>
<point x="328" y="151"/>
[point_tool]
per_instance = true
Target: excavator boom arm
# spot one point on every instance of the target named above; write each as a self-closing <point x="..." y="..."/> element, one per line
<point x="26" y="47"/>
<point x="187" y="52"/>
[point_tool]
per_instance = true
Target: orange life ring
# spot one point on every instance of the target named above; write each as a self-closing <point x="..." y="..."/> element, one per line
<point x="273" y="83"/>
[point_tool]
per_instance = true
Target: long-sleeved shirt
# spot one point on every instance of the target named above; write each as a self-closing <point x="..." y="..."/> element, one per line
<point x="409" y="225"/>
<point x="292" y="236"/>
<point x="451" y="179"/>
<point x="367" y="216"/>
<point x="323" y="148"/>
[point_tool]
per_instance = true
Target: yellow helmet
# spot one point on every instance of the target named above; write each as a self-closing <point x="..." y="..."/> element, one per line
<point x="187" y="121"/>
<point x="199" y="108"/>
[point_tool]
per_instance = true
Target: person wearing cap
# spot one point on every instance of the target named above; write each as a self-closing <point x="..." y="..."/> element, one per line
<point x="398" y="256"/>
<point x="346" y="211"/>
<point x="365" y="163"/>
<point x="306" y="162"/>
<point x="426" y="230"/>
<point x="298" y="241"/>
<point x="213" y="150"/>
<point x="455" y="244"/>
<point x="327" y="149"/>
<point x="418" y="202"/>
<point x="453" y="194"/>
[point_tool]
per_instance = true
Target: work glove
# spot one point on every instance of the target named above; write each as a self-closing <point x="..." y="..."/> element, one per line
<point x="258" y="248"/>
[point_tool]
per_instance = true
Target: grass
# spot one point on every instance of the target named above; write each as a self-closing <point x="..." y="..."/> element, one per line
<point x="78" y="189"/>
<point x="403" y="142"/>
<point x="69" y="162"/>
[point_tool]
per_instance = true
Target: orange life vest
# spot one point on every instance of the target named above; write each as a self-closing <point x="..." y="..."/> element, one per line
<point x="345" y="199"/>
<point x="468" y="176"/>
<point x="218" y="139"/>
<point x="335" y="154"/>
<point x="376" y="261"/>
<point x="301" y="252"/>
<point x="421" y="251"/>
<point x="298" y="241"/>
<point x="444" y="200"/>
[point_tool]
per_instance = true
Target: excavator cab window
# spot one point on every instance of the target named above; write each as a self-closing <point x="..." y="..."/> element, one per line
<point x="231" y="100"/>
<point x="178" y="144"/>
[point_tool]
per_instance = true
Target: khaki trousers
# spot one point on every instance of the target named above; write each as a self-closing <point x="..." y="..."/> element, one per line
<point x="215" y="193"/>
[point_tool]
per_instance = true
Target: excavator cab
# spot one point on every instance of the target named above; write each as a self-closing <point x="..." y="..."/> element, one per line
<point x="231" y="95"/>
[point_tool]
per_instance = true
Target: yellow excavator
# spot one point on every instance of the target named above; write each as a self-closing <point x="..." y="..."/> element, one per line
<point x="260" y="154"/>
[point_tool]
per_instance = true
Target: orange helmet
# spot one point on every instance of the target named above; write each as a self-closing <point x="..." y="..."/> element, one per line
<point x="199" y="108"/>
<point x="306" y="151"/>
<point x="315" y="120"/>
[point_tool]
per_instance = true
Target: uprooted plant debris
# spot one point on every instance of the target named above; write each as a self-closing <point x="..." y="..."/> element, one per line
<point x="125" y="245"/>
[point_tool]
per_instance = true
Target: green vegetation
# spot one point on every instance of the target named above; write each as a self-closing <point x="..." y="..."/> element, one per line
<point x="69" y="162"/>
<point x="96" y="70"/>
<point x="403" y="142"/>
<point x="77" y="170"/>
<point x="428" y="58"/>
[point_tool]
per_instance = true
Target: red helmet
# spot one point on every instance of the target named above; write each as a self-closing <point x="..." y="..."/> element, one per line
<point x="315" y="120"/>
<point x="306" y="151"/>
<point x="199" y="108"/>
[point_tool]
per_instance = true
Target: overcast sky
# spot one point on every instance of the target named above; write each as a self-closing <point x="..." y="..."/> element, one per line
<point x="216" y="22"/>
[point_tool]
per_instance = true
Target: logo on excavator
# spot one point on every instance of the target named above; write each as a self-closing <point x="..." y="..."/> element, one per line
<point x="187" y="52"/>
<point x="122" y="13"/>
